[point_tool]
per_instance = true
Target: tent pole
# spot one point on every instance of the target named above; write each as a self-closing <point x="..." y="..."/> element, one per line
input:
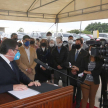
<point x="80" y="26"/>
<point x="56" y="29"/>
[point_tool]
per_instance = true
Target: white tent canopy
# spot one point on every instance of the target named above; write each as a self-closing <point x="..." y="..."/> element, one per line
<point x="53" y="10"/>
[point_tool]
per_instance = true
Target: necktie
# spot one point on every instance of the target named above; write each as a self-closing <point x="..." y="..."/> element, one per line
<point x="12" y="66"/>
<point x="76" y="55"/>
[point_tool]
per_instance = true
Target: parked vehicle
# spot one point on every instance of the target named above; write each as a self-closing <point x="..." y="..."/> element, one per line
<point x="65" y="36"/>
<point x="20" y="35"/>
<point x="1" y="32"/>
<point x="58" y="34"/>
<point x="75" y="36"/>
<point x="85" y="37"/>
<point x="35" y="35"/>
<point x="91" y="36"/>
<point x="103" y="36"/>
<point x="43" y="36"/>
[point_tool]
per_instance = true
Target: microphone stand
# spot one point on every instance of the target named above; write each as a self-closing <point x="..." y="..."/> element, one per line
<point x="50" y="68"/>
<point x="68" y="76"/>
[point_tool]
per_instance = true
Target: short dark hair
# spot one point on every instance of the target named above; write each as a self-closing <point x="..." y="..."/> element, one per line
<point x="49" y="33"/>
<point x="26" y="36"/>
<point x="13" y="34"/>
<point x="59" y="37"/>
<point x="7" y="44"/>
<point x="70" y="36"/>
<point x="37" y="39"/>
<point x="79" y="39"/>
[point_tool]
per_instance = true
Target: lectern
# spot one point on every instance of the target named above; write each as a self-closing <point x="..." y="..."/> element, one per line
<point x="59" y="98"/>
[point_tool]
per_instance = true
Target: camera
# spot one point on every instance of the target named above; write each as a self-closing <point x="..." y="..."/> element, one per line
<point x="100" y="49"/>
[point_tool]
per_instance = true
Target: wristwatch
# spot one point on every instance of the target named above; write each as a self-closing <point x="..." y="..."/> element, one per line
<point x="26" y="69"/>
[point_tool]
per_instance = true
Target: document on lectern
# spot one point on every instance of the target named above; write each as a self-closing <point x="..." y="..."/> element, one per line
<point x="24" y="94"/>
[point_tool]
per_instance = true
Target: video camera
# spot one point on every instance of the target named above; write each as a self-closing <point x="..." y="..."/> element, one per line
<point x="100" y="49"/>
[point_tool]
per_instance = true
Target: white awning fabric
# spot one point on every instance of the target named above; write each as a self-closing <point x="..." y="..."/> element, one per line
<point x="59" y="11"/>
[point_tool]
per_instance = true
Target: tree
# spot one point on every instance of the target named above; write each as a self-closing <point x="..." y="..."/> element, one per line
<point x="74" y="31"/>
<point x="97" y="26"/>
<point x="20" y="30"/>
<point x="86" y="32"/>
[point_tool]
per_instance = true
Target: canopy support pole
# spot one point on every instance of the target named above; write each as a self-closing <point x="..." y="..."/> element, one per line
<point x="56" y="22"/>
<point x="56" y="29"/>
<point x="80" y="27"/>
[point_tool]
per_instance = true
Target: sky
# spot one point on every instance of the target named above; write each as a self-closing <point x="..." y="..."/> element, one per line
<point x="13" y="26"/>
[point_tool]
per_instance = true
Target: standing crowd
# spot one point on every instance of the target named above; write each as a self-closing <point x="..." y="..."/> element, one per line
<point x="73" y="59"/>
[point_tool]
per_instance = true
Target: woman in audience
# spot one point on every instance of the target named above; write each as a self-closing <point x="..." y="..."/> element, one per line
<point x="37" y="43"/>
<point x="42" y="74"/>
<point x="32" y="42"/>
<point x="91" y="68"/>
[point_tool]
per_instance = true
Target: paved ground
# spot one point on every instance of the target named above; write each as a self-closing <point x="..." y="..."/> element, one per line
<point x="97" y="95"/>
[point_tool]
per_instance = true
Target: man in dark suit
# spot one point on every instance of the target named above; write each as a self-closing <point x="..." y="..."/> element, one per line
<point x="69" y="46"/>
<point x="11" y="76"/>
<point x="75" y="57"/>
<point x="70" y="43"/>
<point x="59" y="55"/>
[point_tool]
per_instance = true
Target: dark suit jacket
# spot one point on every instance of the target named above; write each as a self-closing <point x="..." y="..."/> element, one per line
<point x="71" y="58"/>
<point x="60" y="58"/>
<point x="8" y="77"/>
<point x="95" y="72"/>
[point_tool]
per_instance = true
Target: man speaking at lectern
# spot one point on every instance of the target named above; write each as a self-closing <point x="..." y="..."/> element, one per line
<point x="11" y="77"/>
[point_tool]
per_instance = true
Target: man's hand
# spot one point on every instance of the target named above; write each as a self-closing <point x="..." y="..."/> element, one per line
<point x="29" y="70"/>
<point x="19" y="87"/>
<point x="75" y="68"/>
<point x="59" y="67"/>
<point x="43" y="68"/>
<point x="34" y="83"/>
<point x="74" y="72"/>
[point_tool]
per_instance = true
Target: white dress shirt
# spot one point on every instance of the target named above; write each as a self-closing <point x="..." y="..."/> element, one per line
<point x="7" y="61"/>
<point x="28" y="53"/>
<point x="69" y="46"/>
<point x="77" y="50"/>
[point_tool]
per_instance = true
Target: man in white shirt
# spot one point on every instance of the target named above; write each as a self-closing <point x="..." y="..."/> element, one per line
<point x="11" y="77"/>
<point x="70" y="43"/>
<point x="28" y="54"/>
<point x="84" y="46"/>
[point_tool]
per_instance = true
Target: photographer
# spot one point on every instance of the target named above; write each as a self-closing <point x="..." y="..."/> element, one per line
<point x="91" y="68"/>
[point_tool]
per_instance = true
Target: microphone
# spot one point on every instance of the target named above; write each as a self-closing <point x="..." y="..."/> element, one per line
<point x="43" y="64"/>
<point x="50" y="68"/>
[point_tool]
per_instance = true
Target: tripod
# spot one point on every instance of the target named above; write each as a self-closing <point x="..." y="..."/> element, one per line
<point x="103" y="99"/>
